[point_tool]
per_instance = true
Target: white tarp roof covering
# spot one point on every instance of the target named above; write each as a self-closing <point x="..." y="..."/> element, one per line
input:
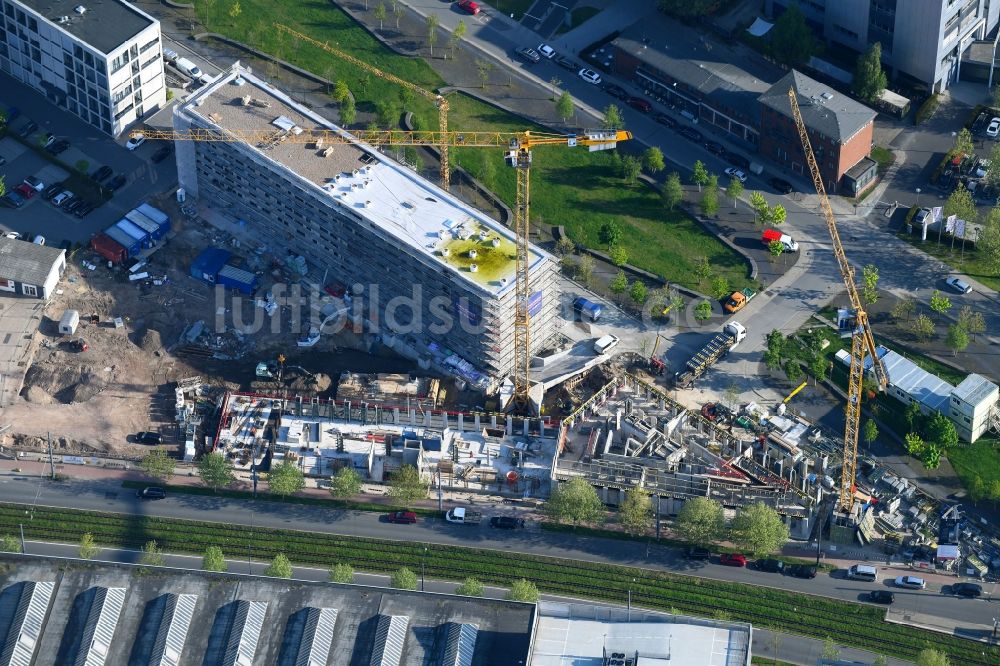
<point x="760" y="27"/>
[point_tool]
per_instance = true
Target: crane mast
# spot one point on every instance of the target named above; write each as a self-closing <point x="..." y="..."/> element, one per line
<point x="862" y="340"/>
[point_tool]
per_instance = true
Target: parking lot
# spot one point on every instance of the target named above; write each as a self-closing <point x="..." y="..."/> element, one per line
<point x="88" y="150"/>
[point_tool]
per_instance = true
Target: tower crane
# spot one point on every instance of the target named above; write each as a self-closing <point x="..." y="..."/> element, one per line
<point x="518" y="147"/>
<point x="439" y="101"/>
<point x="862" y="340"/>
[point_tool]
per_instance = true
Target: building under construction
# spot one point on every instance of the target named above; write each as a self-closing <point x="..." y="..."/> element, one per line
<point x="432" y="276"/>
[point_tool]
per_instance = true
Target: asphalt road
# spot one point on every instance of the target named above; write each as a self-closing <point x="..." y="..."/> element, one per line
<point x="104" y="496"/>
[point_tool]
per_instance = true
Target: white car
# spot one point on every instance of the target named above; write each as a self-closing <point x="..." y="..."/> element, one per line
<point x="738" y="174"/>
<point x="135" y="142"/>
<point x="546" y="50"/>
<point x="910" y="582"/>
<point x="994" y="129"/>
<point x="13" y="235"/>
<point x="590" y="76"/>
<point x="61" y="198"/>
<point x="959" y="285"/>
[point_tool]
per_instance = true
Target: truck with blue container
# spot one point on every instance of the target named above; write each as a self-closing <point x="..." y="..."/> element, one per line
<point x="587" y="309"/>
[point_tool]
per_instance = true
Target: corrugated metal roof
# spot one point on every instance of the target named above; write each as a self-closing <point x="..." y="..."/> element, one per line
<point x="172" y="634"/>
<point x="26" y="262"/>
<point x="100" y="628"/>
<point x="317" y="638"/>
<point x="245" y="634"/>
<point x="390" y="637"/>
<point x="460" y="645"/>
<point x="143" y="222"/>
<point x="975" y="389"/>
<point x="153" y="213"/>
<point x="927" y="389"/>
<point x="26" y="627"/>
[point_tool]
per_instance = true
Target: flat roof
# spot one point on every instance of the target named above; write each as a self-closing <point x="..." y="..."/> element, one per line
<point x="356" y="176"/>
<point x="916" y="382"/>
<point x="975" y="389"/>
<point x="105" y="25"/>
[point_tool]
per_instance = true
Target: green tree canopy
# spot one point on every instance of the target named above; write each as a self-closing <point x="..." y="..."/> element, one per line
<point x="929" y="657"/>
<point x="720" y="287"/>
<point x="613" y="117"/>
<point x="10" y="544"/>
<point x="631" y="168"/>
<point x="963" y="144"/>
<point x="636" y="511"/>
<point x="961" y="204"/>
<point x="215" y="471"/>
<point x="406" y="486"/>
<point x="619" y="284"/>
<point x="977" y="489"/>
<point x="611" y="233"/>
<point x="151" y="555"/>
<point x="470" y="587"/>
<point x="869" y="289"/>
<point x="652" y="160"/>
<point x="638" y="292"/>
<point x="672" y="192"/>
<point x="759" y="529"/>
<point x="403" y="579"/>
<point x="341" y="93"/>
<point x="522" y="590"/>
<point x="158" y="465"/>
<point x="348" y="112"/>
<point x="214" y="560"/>
<point x="575" y="501"/>
<point x="699" y="174"/>
<point x="922" y="327"/>
<point x="689" y="8"/>
<point x="88" y="549"/>
<point x="285" y="479"/>
<point x="870" y="431"/>
<point x="988" y="243"/>
<point x="792" y="42"/>
<point x="939" y="302"/>
<point x="700" y="521"/>
<point x="280" y="567"/>
<point x="734" y="189"/>
<point x="869" y="79"/>
<point x="345" y="483"/>
<point x="941" y="431"/>
<point x="703" y="311"/>
<point x="341" y="573"/>
<point x="564" y="106"/>
<point x="957" y="339"/>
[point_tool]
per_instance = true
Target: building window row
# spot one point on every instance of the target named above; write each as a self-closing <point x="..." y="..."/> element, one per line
<point x="148" y="45"/>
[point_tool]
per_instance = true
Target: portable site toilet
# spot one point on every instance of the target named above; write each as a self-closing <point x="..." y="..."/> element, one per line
<point x="70" y="320"/>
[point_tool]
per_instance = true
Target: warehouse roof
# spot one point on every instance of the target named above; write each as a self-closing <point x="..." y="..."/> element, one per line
<point x="364" y="183"/>
<point x="824" y="110"/>
<point x="26" y="262"/>
<point x="105" y="25"/>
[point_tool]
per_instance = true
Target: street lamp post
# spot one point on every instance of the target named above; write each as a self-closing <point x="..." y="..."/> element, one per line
<point x="422" y="560"/>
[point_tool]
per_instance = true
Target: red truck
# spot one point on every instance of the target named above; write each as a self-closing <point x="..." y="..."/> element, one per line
<point x="771" y="235"/>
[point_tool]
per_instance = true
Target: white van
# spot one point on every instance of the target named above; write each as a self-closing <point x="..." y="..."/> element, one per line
<point x="605" y="344"/>
<point x="863" y="572"/>
<point x="188" y="68"/>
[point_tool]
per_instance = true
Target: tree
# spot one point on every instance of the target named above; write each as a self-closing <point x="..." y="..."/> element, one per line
<point x="939" y="302"/>
<point x="963" y="144"/>
<point x="631" y="167"/>
<point x="734" y="189"/>
<point x="759" y="529"/>
<point x="702" y="267"/>
<point x="972" y="321"/>
<point x="913" y="416"/>
<point x="776" y="248"/>
<point x="700" y="521"/>
<point x="348" y="112"/>
<point x="638" y="292"/>
<point x="457" y="35"/>
<point x="941" y="431"/>
<point x="636" y="511"/>
<point x="915" y="445"/>
<point x="387" y="111"/>
<point x="688" y="8"/>
<point x="565" y="245"/>
<point x="341" y="92"/>
<point x="775" y="349"/>
<point x="431" y="24"/>
<point x="869" y="289"/>
<point x="564" y="106"/>
<point x="977" y="489"/>
<point x="345" y="483"/>
<point x="652" y="160"/>
<point x="522" y="590"/>
<point x="871" y="432"/>
<point x="341" y="573"/>
<point x="618" y="254"/>
<point x="699" y="174"/>
<point x="380" y="13"/>
<point x="404" y="579"/>
<point x="157" y="464"/>
<point x="214" y="560"/>
<point x="731" y="396"/>
<point x="793" y="370"/>
<point x="280" y="567"/>
<point x="957" y="339"/>
<point x="470" y="587"/>
<point x="619" y="284"/>
<point x="613" y="117"/>
<point x="406" y="486"/>
<point x="397" y="11"/>
<point x="830" y="650"/>
<point x="483" y="68"/>
<point x="988" y="242"/>
<point x="703" y="311"/>
<point x="585" y="269"/>
<point x="285" y="479"/>
<point x="672" y="192"/>
<point x="10" y="544"/>
<point x="995" y="490"/>
<point x="215" y="471"/>
<point x="575" y="501"/>
<point x="881" y="660"/>
<point x="792" y="41"/>
<point x="902" y="310"/>
<point x="929" y="657"/>
<point x="961" y="205"/>
<point x="151" y="555"/>
<point x="710" y="197"/>
<point x="777" y="214"/>
<point x="235" y="10"/>
<point x="869" y="79"/>
<point x="88" y="549"/>
<point x="818" y="366"/>
<point x="923" y="327"/>
<point x="720" y="287"/>
<point x="759" y="206"/>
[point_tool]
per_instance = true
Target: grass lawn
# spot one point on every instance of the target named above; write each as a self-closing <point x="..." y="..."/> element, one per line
<point x="884" y="158"/>
<point x="574" y="188"/>
<point x="981" y="459"/>
<point x="970" y="263"/>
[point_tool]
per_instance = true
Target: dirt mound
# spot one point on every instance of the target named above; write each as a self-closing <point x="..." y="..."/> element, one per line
<point x="38" y="396"/>
<point x="83" y="390"/>
<point x="150" y="341"/>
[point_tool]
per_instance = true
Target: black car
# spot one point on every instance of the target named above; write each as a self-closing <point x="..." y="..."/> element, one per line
<point x="781" y="185"/>
<point x="737" y="161"/>
<point x="664" y="119"/>
<point x="28" y="129"/>
<point x="148" y="438"/>
<point x="715" y="148"/>
<point x="771" y="566"/>
<point x="801" y="571"/>
<point x="153" y="492"/>
<point x="84" y="210"/>
<point x="506" y="522"/>
<point x="881" y="597"/>
<point x="566" y="63"/>
<point x="102" y="174"/>
<point x="968" y="590"/>
<point x="52" y="190"/>
<point x="72" y="206"/>
<point x="116" y="182"/>
<point x="697" y="553"/>
<point x="693" y="134"/>
<point x="615" y="90"/>
<point x="58" y="147"/>
<point x="162" y="153"/>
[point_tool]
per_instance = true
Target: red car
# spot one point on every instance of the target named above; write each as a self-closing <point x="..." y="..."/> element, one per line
<point x="733" y="559"/>
<point x="469" y="6"/>
<point x="25" y="191"/>
<point x="403" y="517"/>
<point x="640" y="104"/>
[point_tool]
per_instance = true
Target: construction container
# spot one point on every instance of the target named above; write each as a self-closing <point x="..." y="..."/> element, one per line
<point x="108" y="248"/>
<point x="156" y="215"/>
<point x="208" y="263"/>
<point x="131" y="245"/>
<point x="144" y="223"/>
<point x="70" y="320"/>
<point x="237" y="278"/>
<point x="133" y="231"/>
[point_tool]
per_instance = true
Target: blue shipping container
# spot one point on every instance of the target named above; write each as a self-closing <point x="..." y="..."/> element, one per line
<point x="207" y="265"/>
<point x="154" y="214"/>
<point x="237" y="278"/>
<point x="119" y="236"/>
<point x="144" y="223"/>
<point x="132" y="230"/>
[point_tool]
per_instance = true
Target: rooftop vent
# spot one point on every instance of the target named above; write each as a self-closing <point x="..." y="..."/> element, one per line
<point x="503" y="282"/>
<point x="473" y="268"/>
<point x="473" y="254"/>
<point x="238" y="81"/>
<point x="827" y="95"/>
<point x="80" y="9"/>
<point x="445" y="252"/>
<point x="368" y="203"/>
<point x="496" y="242"/>
<point x="62" y="19"/>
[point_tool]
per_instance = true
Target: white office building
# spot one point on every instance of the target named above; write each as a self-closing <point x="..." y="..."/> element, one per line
<point x="973" y="407"/>
<point x="99" y="59"/>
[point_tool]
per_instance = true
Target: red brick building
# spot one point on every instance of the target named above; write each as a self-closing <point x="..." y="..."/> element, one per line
<point x="840" y="130"/>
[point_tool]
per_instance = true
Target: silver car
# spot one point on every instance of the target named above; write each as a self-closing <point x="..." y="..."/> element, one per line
<point x="959" y="285"/>
<point x="911" y="582"/>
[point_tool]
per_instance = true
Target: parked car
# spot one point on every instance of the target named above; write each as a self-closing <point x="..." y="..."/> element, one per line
<point x="13" y="235"/>
<point x="60" y="146"/>
<point x="781" y="185"/>
<point x="664" y="119"/>
<point x="34" y="183"/>
<point x="12" y="200"/>
<point x="771" y="566"/>
<point x="910" y="582"/>
<point x="102" y="174"/>
<point x="881" y="597"/>
<point x="30" y="128"/>
<point x="697" y="553"/>
<point x="162" y="153"/>
<point x="733" y="559"/>
<point x="692" y="134"/>
<point x="994" y="129"/>
<point x="152" y="492"/>
<point x="116" y="182"/>
<point x="529" y="54"/>
<point x="62" y="197"/>
<point x="403" y="517"/>
<point x="738" y="174"/>
<point x="737" y="160"/>
<point x="590" y="76"/>
<point x="968" y="590"/>
<point x="566" y="63"/>
<point x="135" y="141"/>
<point x="84" y="210"/>
<point x="145" y="437"/>
<point x="715" y="148"/>
<point x="614" y="90"/>
<point x="25" y="191"/>
<point x="73" y="206"/>
<point x="639" y="104"/>
<point x="52" y="190"/>
<point x="506" y="522"/>
<point x="801" y="571"/>
<point x="959" y="285"/>
<point x="468" y="6"/>
<point x="546" y="50"/>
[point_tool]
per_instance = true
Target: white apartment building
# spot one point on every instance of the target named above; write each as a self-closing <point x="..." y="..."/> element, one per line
<point x="99" y="59"/>
<point x="972" y="406"/>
